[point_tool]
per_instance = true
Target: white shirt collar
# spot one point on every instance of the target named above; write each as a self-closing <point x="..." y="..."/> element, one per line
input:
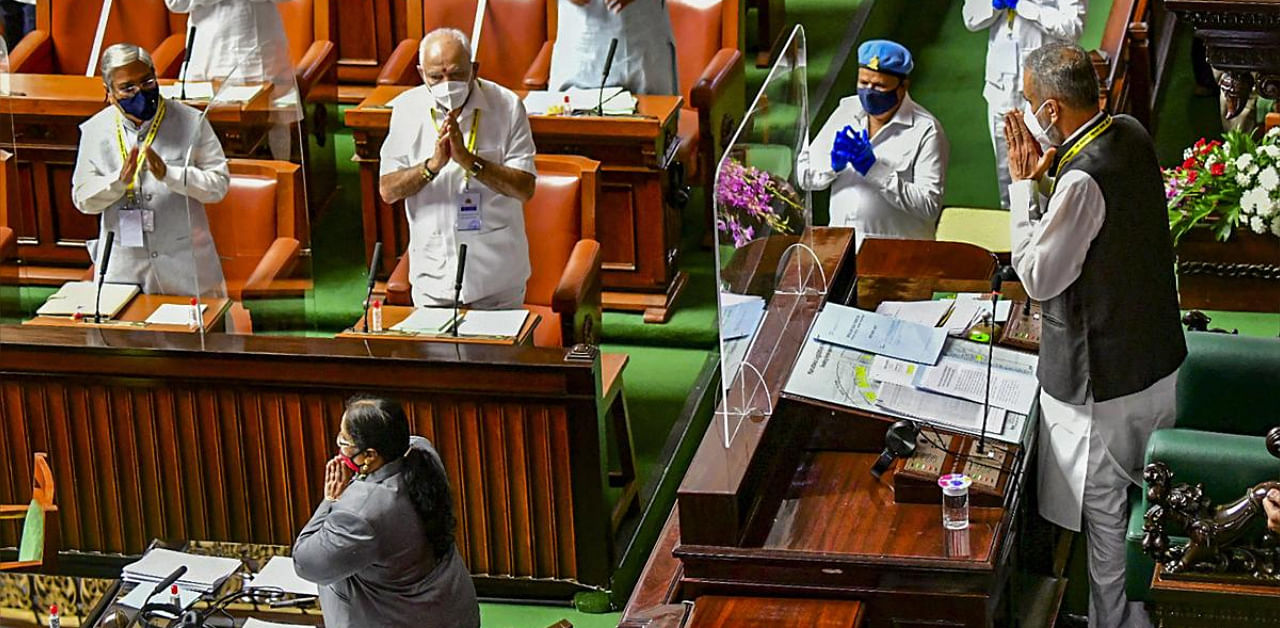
<point x="1084" y="127"/>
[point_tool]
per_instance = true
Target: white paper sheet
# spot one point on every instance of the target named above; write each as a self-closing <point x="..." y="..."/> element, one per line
<point x="138" y="596"/>
<point x="881" y="335"/>
<point x="174" y="314"/>
<point x="279" y="575"/>
<point x="937" y="409"/>
<point x="80" y="295"/>
<point x="892" y="370"/>
<point x="238" y="93"/>
<point x="494" y="323"/>
<point x="967" y="380"/>
<point x="740" y="315"/>
<point x="617" y="101"/>
<point x="426" y="320"/>
<point x="258" y="623"/>
<point x="969" y="311"/>
<point x="927" y="313"/>
<point x="196" y="90"/>
<point x="202" y="571"/>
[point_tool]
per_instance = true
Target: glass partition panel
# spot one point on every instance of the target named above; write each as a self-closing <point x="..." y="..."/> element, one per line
<point x="253" y="216"/>
<point x="764" y="255"/>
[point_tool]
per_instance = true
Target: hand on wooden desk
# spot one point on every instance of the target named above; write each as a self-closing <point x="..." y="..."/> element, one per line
<point x="130" y="166"/>
<point x="336" y="478"/>
<point x="156" y="164"/>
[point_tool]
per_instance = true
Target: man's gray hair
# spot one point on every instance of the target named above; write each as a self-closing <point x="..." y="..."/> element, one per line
<point x="451" y="33"/>
<point x="1063" y="72"/>
<point x="120" y="55"/>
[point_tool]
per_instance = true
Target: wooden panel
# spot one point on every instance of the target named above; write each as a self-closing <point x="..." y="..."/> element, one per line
<point x="230" y="443"/>
<point x="367" y="32"/>
<point x="714" y="611"/>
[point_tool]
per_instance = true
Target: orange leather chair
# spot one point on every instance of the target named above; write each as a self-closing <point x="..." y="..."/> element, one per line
<point x="65" y="30"/>
<point x="259" y="227"/>
<point x="564" y="287"/>
<point x="712" y="78"/>
<point x="308" y="25"/>
<point x="515" y="33"/>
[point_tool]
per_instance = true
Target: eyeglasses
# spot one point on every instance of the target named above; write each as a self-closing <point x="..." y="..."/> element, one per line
<point x="129" y="90"/>
<point x="344" y="443"/>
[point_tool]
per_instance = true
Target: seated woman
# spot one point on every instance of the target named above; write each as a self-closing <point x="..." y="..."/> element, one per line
<point x="381" y="546"/>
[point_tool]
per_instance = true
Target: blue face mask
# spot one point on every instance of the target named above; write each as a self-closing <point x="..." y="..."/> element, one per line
<point x="876" y="102"/>
<point x="142" y="105"/>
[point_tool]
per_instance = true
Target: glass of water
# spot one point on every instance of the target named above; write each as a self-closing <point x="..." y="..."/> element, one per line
<point x="955" y="500"/>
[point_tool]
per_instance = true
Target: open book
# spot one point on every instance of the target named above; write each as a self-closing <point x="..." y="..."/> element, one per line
<point x="80" y="295"/>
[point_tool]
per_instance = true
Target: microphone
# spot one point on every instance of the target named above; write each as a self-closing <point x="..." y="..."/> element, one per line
<point x="186" y="59"/>
<point x="148" y="607"/>
<point x="169" y="580"/>
<point x="608" y="65"/>
<point x="103" y="260"/>
<point x="373" y="270"/>
<point x="457" y="287"/>
<point x="998" y="278"/>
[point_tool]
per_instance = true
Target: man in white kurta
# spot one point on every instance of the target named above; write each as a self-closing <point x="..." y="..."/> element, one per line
<point x="162" y="238"/>
<point x="645" y="61"/>
<point x="460" y="153"/>
<point x="1015" y="28"/>
<point x="1091" y="242"/>
<point x="244" y="37"/>
<point x="900" y="194"/>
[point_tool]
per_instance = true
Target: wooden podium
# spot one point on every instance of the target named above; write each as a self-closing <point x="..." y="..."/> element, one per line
<point x="789" y="509"/>
<point x="639" y="233"/>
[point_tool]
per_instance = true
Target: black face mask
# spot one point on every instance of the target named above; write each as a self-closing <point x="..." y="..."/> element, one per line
<point x="142" y="105"/>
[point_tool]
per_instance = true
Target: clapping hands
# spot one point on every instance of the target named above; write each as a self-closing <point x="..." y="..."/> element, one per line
<point x="852" y="148"/>
<point x="1001" y="5"/>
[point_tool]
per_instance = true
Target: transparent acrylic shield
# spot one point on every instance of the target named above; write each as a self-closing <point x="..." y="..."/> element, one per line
<point x="764" y="257"/>
<point x="258" y="227"/>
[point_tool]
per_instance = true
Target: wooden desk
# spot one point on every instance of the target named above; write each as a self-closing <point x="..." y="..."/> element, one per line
<point x="139" y="308"/>
<point x="225" y="438"/>
<point x="639" y="233"/>
<point x="394" y="314"/>
<point x="715" y="611"/>
<point x="47" y="111"/>
<point x="756" y="518"/>
<point x="1177" y="603"/>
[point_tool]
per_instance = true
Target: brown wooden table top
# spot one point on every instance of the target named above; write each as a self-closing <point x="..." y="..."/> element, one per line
<point x="394" y="314"/>
<point x="716" y="611"/>
<point x="139" y="308"/>
<point x="68" y="95"/>
<point x="869" y="522"/>
<point x="652" y="114"/>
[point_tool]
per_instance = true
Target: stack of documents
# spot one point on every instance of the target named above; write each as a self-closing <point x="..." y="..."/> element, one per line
<point x="428" y="321"/>
<point x="79" y="296"/>
<point x="279" y="575"/>
<point x="617" y="101"/>
<point x="971" y="309"/>
<point x="204" y="573"/>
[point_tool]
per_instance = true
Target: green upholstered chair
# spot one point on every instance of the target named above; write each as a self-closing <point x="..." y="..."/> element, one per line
<point x="987" y="228"/>
<point x="1226" y="405"/>
<point x="38" y="544"/>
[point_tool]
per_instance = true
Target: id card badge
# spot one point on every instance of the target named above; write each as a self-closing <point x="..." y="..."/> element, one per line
<point x="470" y="211"/>
<point x="130" y="228"/>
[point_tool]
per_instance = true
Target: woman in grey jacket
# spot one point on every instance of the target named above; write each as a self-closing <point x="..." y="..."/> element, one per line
<point x="381" y="545"/>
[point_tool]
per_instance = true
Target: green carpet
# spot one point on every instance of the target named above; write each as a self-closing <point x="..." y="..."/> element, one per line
<point x="531" y="616"/>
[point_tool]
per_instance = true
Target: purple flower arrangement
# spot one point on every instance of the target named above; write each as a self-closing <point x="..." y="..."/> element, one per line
<point x="750" y="202"/>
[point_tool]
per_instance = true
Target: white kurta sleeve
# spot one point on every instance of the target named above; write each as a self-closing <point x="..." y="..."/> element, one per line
<point x="1049" y="253"/>
<point x="397" y="148"/>
<point x="1065" y="21"/>
<point x="978" y="14"/>
<point x="520" y="150"/>
<point x="922" y="195"/>
<point x="92" y="189"/>
<point x="207" y="178"/>
<point x="813" y="164"/>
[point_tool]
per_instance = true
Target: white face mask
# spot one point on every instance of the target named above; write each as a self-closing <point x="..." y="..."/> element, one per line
<point x="1034" y="125"/>
<point x="450" y="95"/>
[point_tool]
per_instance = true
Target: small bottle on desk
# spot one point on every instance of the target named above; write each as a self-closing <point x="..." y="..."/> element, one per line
<point x="54" y="621"/>
<point x="375" y="317"/>
<point x="174" y="598"/>
<point x="195" y="313"/>
<point x="566" y="109"/>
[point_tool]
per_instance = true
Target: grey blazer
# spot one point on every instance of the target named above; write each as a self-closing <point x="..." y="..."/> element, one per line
<point x="369" y="553"/>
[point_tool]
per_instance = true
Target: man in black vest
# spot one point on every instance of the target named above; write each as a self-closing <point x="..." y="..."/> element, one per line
<point x="1091" y="242"/>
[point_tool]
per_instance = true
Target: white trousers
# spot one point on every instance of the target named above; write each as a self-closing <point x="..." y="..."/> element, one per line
<point x="995" y="117"/>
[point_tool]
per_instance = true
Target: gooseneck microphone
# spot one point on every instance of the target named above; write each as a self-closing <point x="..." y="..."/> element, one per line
<point x="604" y="78"/>
<point x="103" y="260"/>
<point x="372" y="279"/>
<point x="186" y="60"/>
<point x="1002" y="274"/>
<point x="457" y="287"/>
<point x="163" y="585"/>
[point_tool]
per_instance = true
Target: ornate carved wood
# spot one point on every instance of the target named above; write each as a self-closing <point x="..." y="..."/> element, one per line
<point x="1242" y="38"/>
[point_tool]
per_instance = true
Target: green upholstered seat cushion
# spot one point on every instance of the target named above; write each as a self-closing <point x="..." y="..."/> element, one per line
<point x="1226" y="464"/>
<point x="987" y="228"/>
<point x="1228" y="384"/>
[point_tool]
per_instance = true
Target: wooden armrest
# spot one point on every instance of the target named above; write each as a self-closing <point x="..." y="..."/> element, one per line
<point x="8" y="244"/>
<point x="401" y="67"/>
<point x="278" y="262"/>
<point x="399" y="290"/>
<point x="716" y="78"/>
<point x="13" y="511"/>
<point x="539" y="72"/>
<point x="577" y="296"/>
<point x="32" y="55"/>
<point x="167" y="57"/>
<point x="319" y="62"/>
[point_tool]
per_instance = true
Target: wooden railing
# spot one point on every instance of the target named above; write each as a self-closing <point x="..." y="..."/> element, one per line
<point x="1131" y="59"/>
<point x="153" y="437"/>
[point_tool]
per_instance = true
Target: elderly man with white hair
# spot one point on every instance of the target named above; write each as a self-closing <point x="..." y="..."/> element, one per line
<point x="459" y="153"/>
<point x="132" y="169"/>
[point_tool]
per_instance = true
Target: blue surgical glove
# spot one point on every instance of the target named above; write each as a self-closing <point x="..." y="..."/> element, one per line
<point x="839" y="159"/>
<point x="842" y="148"/>
<point x="1012" y="5"/>
<point x="863" y="156"/>
<point x="999" y="5"/>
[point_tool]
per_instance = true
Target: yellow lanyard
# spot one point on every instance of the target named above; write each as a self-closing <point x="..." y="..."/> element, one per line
<point x="1009" y="15"/>
<point x="131" y="190"/>
<point x="1078" y="146"/>
<point x="471" y="140"/>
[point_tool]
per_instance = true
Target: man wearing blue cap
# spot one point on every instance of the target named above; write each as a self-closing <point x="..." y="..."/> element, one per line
<point x="884" y="156"/>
